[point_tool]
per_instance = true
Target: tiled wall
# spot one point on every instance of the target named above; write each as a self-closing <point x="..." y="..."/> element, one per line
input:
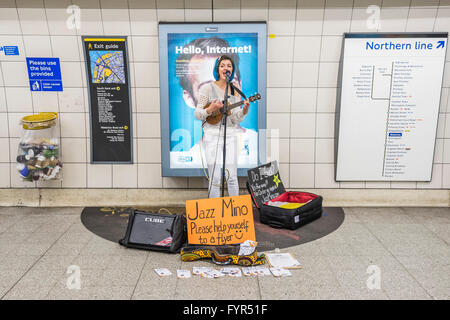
<point x="303" y="54"/>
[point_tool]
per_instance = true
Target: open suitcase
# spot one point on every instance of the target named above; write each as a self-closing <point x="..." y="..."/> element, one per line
<point x="277" y="207"/>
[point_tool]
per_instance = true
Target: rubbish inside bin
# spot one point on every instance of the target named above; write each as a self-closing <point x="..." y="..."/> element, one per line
<point x="38" y="156"/>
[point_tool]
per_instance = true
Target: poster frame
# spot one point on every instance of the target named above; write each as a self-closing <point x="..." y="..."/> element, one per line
<point x="164" y="28"/>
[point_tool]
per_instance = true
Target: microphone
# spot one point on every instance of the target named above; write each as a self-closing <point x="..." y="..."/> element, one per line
<point x="228" y="74"/>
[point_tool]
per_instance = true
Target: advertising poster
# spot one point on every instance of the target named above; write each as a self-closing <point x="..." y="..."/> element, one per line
<point x="190" y="63"/>
<point x="109" y="96"/>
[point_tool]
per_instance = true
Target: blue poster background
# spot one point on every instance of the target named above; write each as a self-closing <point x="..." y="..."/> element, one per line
<point x="181" y="115"/>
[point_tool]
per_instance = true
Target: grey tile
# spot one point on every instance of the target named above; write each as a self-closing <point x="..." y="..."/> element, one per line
<point x="441" y="231"/>
<point x="301" y="285"/>
<point x="154" y="287"/>
<point x="88" y="278"/>
<point x="65" y="250"/>
<point x="435" y="281"/>
<point x="305" y="249"/>
<point x="420" y="262"/>
<point x="92" y="262"/>
<point x="355" y="285"/>
<point x="102" y="248"/>
<point x="400" y="285"/>
<point x="128" y="262"/>
<point x="27" y="292"/>
<point x="43" y="238"/>
<point x="29" y="249"/>
<point x="381" y="215"/>
<point x="374" y="249"/>
<point x="429" y="215"/>
<point x="199" y="288"/>
<point x="20" y="263"/>
<point x="337" y="249"/>
<point x="9" y="277"/>
<point x="9" y="237"/>
<point x="337" y="263"/>
<point x="112" y="293"/>
<point x="54" y="227"/>
<point x="54" y="262"/>
<point x="41" y="278"/>
<point x="61" y="293"/>
<point x="3" y="291"/>
<point x="313" y="262"/>
<point x="118" y="277"/>
<point x="423" y="249"/>
<point x="74" y="238"/>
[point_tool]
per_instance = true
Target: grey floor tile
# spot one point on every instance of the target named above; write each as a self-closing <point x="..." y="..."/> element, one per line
<point x="29" y="249"/>
<point x="10" y="277"/>
<point x="410" y="246"/>
<point x="421" y="249"/>
<point x="87" y="278"/>
<point x="35" y="278"/>
<point x="9" y="238"/>
<point x="3" y="291"/>
<point x="43" y="237"/>
<point x="301" y="286"/>
<point x="401" y="285"/>
<point x="358" y="285"/>
<point x="319" y="263"/>
<point x="92" y="262"/>
<point x="337" y="249"/>
<point x="381" y="215"/>
<point x="129" y="262"/>
<point x="442" y="231"/>
<point x="64" y="293"/>
<point x="54" y="262"/>
<point x="424" y="263"/>
<point x="118" y="277"/>
<point x="19" y="263"/>
<point x="153" y="287"/>
<point x="27" y="292"/>
<point x="112" y="293"/>
<point x="305" y="249"/>
<point x="427" y="216"/>
<point x="65" y="249"/>
<point x="198" y="288"/>
<point x="435" y="281"/>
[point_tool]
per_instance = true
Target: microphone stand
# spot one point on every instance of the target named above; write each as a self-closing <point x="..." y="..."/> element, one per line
<point x="224" y="123"/>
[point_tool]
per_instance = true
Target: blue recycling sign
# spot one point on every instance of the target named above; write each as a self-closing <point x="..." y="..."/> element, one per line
<point x="10" y="50"/>
<point x="44" y="74"/>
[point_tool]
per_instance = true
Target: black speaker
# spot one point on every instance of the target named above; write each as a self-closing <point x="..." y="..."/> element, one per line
<point x="155" y="231"/>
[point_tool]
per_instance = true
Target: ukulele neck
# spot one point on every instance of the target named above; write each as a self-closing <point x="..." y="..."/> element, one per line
<point x="234" y="105"/>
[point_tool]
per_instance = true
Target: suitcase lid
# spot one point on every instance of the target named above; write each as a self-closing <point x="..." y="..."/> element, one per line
<point x="265" y="183"/>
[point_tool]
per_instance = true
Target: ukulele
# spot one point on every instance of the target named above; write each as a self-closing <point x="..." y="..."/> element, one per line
<point x="217" y="115"/>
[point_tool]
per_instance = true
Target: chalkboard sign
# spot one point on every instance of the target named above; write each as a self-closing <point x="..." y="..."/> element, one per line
<point x="109" y="97"/>
<point x="265" y="183"/>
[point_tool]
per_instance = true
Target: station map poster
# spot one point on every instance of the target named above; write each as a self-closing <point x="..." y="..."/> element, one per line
<point x="187" y="56"/>
<point x="109" y="99"/>
<point x="388" y="106"/>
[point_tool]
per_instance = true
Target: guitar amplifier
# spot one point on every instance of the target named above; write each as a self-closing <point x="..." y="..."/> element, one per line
<point x="155" y="231"/>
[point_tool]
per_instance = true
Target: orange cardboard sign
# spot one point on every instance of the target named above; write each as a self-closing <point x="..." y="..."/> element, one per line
<point x="220" y="221"/>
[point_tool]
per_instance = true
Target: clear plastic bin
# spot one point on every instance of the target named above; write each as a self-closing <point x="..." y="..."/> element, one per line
<point x="38" y="156"/>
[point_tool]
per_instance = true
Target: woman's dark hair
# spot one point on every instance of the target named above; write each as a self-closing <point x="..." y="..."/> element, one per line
<point x="222" y="58"/>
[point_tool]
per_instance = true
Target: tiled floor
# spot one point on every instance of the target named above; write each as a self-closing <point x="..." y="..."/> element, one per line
<point x="408" y="248"/>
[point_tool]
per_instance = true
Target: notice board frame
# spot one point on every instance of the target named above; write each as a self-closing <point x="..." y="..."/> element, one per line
<point x="356" y="35"/>
<point x="129" y="100"/>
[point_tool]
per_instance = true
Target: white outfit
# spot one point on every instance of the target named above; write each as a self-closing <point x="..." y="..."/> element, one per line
<point x="212" y="141"/>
